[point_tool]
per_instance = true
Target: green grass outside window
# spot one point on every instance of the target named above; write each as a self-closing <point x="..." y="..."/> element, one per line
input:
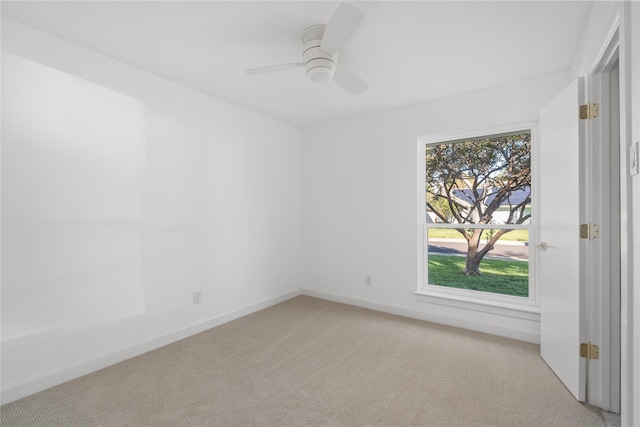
<point x="498" y="276"/>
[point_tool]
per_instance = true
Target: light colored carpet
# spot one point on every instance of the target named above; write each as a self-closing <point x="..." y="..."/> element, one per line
<point x="312" y="362"/>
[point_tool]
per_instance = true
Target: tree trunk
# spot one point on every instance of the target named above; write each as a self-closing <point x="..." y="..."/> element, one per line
<point x="472" y="263"/>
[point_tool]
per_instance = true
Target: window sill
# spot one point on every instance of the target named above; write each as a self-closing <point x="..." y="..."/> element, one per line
<point x="518" y="311"/>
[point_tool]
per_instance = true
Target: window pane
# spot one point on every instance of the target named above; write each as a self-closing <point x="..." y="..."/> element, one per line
<point x="484" y="180"/>
<point x="454" y="262"/>
<point x="479" y="182"/>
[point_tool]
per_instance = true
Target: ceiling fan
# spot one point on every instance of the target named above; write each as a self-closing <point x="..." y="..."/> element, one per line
<point x="322" y="44"/>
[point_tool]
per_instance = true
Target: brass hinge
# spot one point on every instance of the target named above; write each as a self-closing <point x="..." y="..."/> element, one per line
<point x="589" y="351"/>
<point x="589" y="231"/>
<point x="589" y="111"/>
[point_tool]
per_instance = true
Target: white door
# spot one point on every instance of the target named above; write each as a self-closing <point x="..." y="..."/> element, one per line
<point x="561" y="198"/>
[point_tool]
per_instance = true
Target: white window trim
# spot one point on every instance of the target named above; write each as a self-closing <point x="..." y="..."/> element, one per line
<point x="476" y="300"/>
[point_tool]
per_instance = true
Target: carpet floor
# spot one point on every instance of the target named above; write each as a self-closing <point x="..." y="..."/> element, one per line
<point x="310" y="362"/>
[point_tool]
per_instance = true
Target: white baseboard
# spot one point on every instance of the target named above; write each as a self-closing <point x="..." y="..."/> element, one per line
<point x="33" y="385"/>
<point x="517" y="334"/>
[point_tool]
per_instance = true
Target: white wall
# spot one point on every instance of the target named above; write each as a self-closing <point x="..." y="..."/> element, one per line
<point x="361" y="201"/>
<point x="70" y="193"/>
<point x="122" y="194"/>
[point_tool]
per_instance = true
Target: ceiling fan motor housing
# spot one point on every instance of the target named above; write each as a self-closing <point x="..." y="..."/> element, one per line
<point x="319" y="65"/>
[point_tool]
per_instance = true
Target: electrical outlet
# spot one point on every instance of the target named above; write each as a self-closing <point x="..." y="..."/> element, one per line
<point x="368" y="280"/>
<point x="197" y="297"/>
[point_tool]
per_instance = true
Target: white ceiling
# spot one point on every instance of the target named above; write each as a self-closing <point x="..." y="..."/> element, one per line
<point x="408" y="52"/>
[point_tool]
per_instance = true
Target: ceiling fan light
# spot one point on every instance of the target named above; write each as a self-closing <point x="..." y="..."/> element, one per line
<point x="320" y="74"/>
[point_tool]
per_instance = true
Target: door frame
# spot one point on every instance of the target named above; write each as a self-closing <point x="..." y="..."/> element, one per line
<point x="608" y="379"/>
<point x="602" y="263"/>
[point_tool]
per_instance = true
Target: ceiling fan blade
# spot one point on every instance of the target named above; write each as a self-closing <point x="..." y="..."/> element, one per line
<point x="349" y="81"/>
<point x="343" y="24"/>
<point x="274" y="68"/>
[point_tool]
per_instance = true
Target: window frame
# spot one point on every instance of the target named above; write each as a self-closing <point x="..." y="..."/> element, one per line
<point x="464" y="297"/>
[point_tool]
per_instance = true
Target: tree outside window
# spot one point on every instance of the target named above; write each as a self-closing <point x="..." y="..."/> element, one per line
<point x="478" y="192"/>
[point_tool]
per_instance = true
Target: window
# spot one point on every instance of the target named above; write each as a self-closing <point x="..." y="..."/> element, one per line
<point x="477" y="213"/>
